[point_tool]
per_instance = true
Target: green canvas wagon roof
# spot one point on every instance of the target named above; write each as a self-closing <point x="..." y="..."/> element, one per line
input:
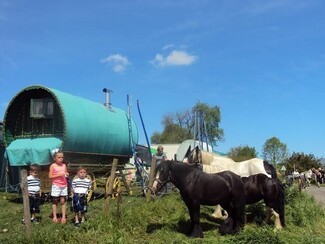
<point x="82" y="126"/>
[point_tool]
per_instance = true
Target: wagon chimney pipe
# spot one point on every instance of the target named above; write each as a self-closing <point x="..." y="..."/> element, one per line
<point x="107" y="97"/>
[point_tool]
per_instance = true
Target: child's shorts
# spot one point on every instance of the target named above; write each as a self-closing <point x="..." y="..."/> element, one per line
<point x="34" y="203"/>
<point x="79" y="203"/>
<point x="59" y="191"/>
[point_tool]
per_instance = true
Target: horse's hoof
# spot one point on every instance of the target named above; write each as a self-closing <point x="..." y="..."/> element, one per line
<point x="194" y="235"/>
<point x="218" y="216"/>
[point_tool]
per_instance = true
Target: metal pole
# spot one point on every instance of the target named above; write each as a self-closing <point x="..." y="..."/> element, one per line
<point x="206" y="135"/>
<point x="199" y="129"/>
<point x="144" y="129"/>
<point x="194" y="133"/>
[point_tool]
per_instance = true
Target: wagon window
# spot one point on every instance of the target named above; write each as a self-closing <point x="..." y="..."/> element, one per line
<point x="41" y="108"/>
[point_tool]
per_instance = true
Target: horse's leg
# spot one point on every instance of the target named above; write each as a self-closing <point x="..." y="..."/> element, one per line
<point x="194" y="210"/>
<point x="268" y="215"/>
<point x="277" y="221"/>
<point x="319" y="180"/>
<point x="227" y="227"/>
<point x="240" y="213"/>
<point x="307" y="182"/>
<point x="237" y="207"/>
<point x="218" y="213"/>
<point x="274" y="200"/>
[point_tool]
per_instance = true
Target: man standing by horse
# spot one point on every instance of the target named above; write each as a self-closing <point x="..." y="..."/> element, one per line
<point x="318" y="176"/>
<point x="160" y="155"/>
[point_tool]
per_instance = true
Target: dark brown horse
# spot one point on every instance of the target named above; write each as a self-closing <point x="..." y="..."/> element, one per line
<point x="199" y="188"/>
<point x="271" y="191"/>
<point x="258" y="186"/>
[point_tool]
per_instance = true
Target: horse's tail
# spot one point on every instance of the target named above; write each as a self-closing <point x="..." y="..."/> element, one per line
<point x="280" y="201"/>
<point x="269" y="168"/>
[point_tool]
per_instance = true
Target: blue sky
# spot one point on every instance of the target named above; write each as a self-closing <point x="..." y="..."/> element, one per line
<point x="262" y="62"/>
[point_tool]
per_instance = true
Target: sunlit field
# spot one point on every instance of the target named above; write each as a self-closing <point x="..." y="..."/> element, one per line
<point x="163" y="220"/>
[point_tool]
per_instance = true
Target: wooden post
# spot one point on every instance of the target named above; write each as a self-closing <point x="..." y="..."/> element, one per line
<point x="6" y="179"/>
<point x="126" y="185"/>
<point x="110" y="185"/>
<point x="151" y="178"/>
<point x="28" y="224"/>
<point x="118" y="202"/>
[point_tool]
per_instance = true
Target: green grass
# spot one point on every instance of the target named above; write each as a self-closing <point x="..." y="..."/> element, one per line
<point x="164" y="220"/>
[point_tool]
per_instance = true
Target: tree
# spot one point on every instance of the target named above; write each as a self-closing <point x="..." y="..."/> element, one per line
<point x="175" y="129"/>
<point x="242" y="153"/>
<point x="301" y="162"/>
<point x="212" y="118"/>
<point x="275" y="151"/>
<point x="179" y="126"/>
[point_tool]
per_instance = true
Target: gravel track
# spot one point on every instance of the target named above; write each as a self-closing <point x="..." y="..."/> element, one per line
<point x="318" y="193"/>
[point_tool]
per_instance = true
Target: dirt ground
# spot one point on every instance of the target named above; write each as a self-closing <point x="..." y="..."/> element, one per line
<point x="318" y="193"/>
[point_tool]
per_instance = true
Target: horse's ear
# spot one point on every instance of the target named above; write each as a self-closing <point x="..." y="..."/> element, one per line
<point x="197" y="150"/>
<point x="169" y="163"/>
<point x="198" y="154"/>
<point x="188" y="152"/>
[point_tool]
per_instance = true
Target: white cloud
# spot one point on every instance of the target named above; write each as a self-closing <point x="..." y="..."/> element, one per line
<point x="117" y="61"/>
<point x="175" y="57"/>
<point x="168" y="46"/>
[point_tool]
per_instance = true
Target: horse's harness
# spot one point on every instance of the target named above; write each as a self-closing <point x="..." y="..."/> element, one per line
<point x="165" y="181"/>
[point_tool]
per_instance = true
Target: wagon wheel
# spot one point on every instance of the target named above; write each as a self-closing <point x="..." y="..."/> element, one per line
<point x="116" y="186"/>
<point x="145" y="184"/>
<point x="93" y="188"/>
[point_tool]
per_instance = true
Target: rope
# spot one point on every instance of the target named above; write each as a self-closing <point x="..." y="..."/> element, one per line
<point x="15" y="188"/>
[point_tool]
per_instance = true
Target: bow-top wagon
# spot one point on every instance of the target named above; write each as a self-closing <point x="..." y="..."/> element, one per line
<point x="39" y="119"/>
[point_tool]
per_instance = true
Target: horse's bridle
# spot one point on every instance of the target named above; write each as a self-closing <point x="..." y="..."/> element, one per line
<point x="163" y="182"/>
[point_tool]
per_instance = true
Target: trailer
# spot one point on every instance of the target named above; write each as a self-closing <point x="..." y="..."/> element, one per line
<point x="39" y="119"/>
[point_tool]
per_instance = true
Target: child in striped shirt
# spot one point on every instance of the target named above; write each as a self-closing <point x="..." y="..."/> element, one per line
<point x="34" y="191"/>
<point x="80" y="187"/>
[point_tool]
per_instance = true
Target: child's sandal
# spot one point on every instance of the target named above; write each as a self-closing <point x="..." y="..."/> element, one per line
<point x="55" y="220"/>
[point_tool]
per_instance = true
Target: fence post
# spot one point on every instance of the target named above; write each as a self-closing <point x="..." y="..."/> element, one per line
<point x="24" y="188"/>
<point x="151" y="178"/>
<point x="127" y="187"/>
<point x="110" y="185"/>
